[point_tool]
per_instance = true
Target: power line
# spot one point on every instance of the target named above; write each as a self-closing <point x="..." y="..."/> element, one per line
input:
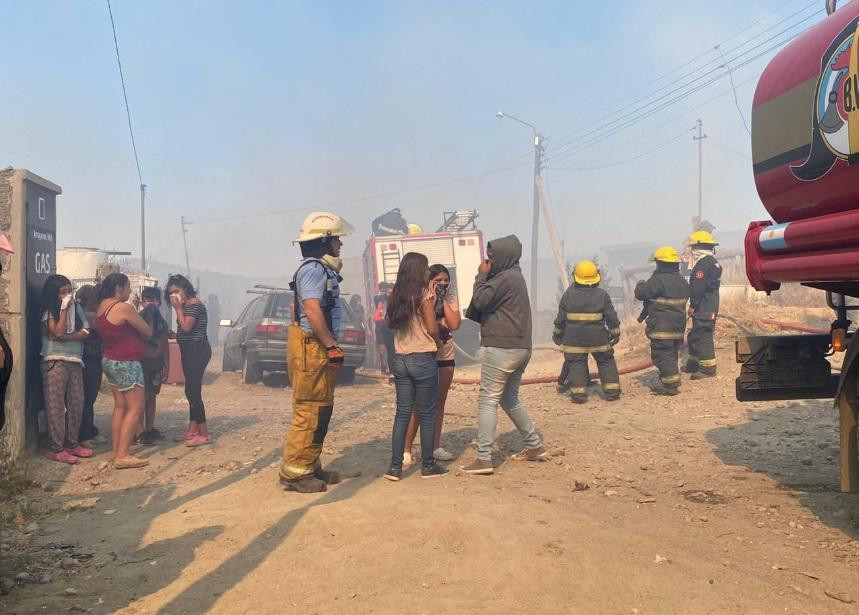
<point x="734" y="88"/>
<point x="565" y="132"/>
<point x="124" y="94"/>
<point x="730" y="150"/>
<point x="663" y="125"/>
<point x="632" y="121"/>
<point x="649" y="100"/>
<point x="166" y="247"/>
<point x="659" y="127"/>
<point x="680" y="92"/>
<point x="627" y="160"/>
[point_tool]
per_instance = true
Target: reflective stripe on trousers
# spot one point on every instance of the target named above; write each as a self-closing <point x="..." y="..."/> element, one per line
<point x="665" y="335"/>
<point x="665" y="357"/>
<point x="701" y="343"/>
<point x="580" y="378"/>
<point x="584" y="349"/>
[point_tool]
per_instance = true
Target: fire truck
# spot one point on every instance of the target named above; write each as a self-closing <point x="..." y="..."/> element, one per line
<point x="805" y="150"/>
<point x="457" y="244"/>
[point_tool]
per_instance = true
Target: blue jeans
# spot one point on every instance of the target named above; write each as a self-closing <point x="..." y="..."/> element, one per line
<point x="416" y="383"/>
<point x="500" y="376"/>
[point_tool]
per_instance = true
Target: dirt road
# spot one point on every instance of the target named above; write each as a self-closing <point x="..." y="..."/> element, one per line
<point x="692" y="504"/>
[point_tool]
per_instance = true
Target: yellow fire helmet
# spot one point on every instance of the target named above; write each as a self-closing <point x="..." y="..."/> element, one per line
<point x="321" y="224"/>
<point x="415" y="229"/>
<point x="702" y="238"/>
<point x="666" y="254"/>
<point x="586" y="273"/>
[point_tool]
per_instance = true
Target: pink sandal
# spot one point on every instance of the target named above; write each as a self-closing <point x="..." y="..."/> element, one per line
<point x="80" y="451"/>
<point x="199" y="440"/>
<point x="62" y="457"/>
<point x="185" y="436"/>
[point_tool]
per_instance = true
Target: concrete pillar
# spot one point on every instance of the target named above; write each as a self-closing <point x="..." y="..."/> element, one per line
<point x="28" y="219"/>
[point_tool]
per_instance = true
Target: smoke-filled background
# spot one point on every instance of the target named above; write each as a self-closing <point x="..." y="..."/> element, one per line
<point x="258" y="107"/>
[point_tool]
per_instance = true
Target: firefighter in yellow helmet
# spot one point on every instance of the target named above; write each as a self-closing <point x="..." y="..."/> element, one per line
<point x="665" y="295"/>
<point x="704" y="282"/>
<point x="588" y="324"/>
<point x="312" y="353"/>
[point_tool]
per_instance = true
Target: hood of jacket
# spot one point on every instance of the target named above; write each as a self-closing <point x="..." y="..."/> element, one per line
<point x="506" y="253"/>
<point x="699" y="253"/>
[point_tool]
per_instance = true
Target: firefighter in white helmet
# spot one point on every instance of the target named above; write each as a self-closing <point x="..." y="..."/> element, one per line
<point x="312" y="353"/>
<point x="704" y="281"/>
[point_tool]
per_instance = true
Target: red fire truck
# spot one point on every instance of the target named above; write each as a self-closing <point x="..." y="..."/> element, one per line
<point x="805" y="146"/>
<point x="457" y="244"/>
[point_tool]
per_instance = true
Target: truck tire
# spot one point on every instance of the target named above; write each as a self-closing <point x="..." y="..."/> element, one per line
<point x="346" y="375"/>
<point x="251" y="373"/>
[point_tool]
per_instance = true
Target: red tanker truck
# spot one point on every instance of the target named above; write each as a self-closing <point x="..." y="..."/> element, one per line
<point x="805" y="149"/>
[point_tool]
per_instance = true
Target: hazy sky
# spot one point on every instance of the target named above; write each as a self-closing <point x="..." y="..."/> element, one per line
<point x="242" y="108"/>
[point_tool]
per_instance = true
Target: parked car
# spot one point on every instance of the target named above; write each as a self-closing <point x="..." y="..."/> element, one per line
<point x="256" y="342"/>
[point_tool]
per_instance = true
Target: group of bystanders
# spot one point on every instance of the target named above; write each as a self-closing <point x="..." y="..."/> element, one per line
<point x="98" y="332"/>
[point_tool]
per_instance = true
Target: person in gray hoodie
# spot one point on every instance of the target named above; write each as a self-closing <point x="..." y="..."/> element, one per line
<point x="500" y="304"/>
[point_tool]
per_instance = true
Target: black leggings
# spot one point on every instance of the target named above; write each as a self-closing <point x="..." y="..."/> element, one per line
<point x="92" y="385"/>
<point x="195" y="358"/>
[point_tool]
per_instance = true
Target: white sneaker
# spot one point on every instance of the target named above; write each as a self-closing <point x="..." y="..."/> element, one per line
<point x="442" y="455"/>
<point x="407" y="459"/>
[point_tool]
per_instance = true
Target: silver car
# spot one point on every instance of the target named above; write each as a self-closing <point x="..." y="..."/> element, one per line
<point x="256" y="342"/>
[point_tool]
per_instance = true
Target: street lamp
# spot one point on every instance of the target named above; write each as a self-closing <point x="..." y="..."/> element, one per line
<point x="535" y="223"/>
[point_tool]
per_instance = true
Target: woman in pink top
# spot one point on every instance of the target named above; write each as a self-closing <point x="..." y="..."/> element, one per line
<point x="123" y="332"/>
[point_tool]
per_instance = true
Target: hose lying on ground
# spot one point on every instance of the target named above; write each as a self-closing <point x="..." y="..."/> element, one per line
<point x="796" y="326"/>
<point x="628" y="369"/>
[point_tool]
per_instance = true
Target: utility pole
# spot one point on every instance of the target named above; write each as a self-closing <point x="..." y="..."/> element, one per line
<point x="143" y="266"/>
<point x="700" y="139"/>
<point x="185" y="223"/>
<point x="535" y="221"/>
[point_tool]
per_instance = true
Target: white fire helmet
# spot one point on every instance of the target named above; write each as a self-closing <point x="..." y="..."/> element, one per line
<point x="321" y="224"/>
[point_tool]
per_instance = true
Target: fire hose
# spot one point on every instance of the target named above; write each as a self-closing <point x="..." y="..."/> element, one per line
<point x="627" y="369"/>
<point x="795" y="326"/>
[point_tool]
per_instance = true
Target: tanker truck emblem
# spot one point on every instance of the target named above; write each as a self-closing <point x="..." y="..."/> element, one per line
<point x="835" y="133"/>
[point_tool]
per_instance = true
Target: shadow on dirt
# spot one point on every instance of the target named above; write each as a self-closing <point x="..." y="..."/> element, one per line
<point x="797" y="445"/>
<point x="203" y="593"/>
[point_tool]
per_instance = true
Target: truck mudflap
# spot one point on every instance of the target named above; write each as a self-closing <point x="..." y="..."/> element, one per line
<point x="785" y="367"/>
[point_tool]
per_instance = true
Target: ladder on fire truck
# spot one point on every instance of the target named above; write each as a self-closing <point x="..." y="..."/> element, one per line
<point x="390" y="264"/>
<point x="462" y="220"/>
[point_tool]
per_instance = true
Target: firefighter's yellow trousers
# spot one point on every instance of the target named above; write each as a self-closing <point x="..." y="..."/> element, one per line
<point x="312" y="382"/>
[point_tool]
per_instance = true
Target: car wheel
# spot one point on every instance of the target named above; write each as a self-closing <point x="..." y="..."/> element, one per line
<point x="346" y="375"/>
<point x="250" y="371"/>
